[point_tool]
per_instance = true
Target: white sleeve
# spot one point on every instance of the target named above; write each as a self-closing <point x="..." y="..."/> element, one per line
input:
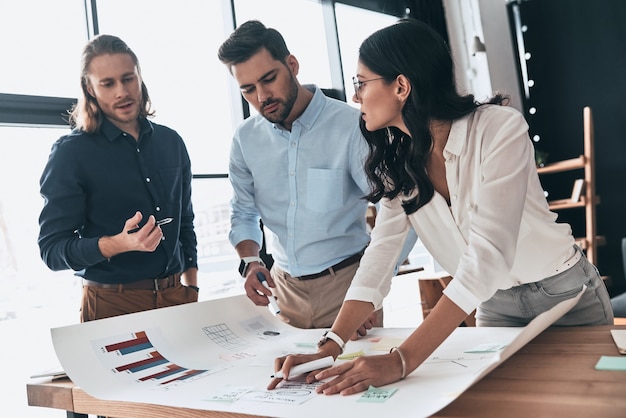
<point x="372" y="280"/>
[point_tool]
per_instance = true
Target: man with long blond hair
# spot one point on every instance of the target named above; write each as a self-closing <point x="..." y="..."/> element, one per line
<point x="117" y="194"/>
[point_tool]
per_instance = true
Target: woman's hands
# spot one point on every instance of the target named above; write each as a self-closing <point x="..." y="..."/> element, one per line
<point x="374" y="320"/>
<point x="351" y="377"/>
<point x="286" y="363"/>
<point x="358" y="375"/>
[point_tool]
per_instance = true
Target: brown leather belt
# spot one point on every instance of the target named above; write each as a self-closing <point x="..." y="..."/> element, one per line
<point x="331" y="270"/>
<point x="146" y="284"/>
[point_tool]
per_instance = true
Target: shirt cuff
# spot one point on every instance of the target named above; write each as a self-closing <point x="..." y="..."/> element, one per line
<point x="459" y="294"/>
<point x="365" y="294"/>
<point x="92" y="252"/>
<point x="236" y="235"/>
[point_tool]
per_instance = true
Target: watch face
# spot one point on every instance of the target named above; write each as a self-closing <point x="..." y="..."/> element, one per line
<point x="242" y="266"/>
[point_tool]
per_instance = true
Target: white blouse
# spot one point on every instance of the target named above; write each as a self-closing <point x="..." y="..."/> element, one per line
<point x="498" y="231"/>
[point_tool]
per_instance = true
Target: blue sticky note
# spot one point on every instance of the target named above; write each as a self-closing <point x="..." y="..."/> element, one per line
<point x="611" y="363"/>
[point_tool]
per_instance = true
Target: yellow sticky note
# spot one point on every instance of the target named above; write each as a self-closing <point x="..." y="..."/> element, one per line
<point x="351" y="356"/>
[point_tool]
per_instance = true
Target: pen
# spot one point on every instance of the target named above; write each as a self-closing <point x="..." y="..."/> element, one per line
<point x="159" y="223"/>
<point x="273" y="306"/>
<point x="320" y="363"/>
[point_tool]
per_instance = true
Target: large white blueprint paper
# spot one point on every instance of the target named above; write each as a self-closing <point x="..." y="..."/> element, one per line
<point x="218" y="355"/>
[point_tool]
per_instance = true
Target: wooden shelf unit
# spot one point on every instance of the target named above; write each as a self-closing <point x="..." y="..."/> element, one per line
<point x="588" y="200"/>
<point x="565" y="165"/>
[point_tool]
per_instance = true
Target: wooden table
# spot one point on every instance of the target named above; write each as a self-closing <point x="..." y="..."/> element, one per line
<point x="552" y="376"/>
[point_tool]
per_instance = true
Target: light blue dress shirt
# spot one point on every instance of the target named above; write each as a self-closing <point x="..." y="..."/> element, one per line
<point x="306" y="185"/>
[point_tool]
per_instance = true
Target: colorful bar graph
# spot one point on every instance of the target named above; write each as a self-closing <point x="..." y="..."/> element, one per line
<point x="164" y="373"/>
<point x="171" y="369"/>
<point x="187" y="375"/>
<point x="155" y="359"/>
<point x="140" y="342"/>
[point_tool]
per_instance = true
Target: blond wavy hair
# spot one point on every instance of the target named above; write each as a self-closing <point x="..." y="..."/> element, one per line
<point x="86" y="114"/>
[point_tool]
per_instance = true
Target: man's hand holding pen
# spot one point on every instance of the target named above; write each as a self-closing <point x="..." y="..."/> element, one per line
<point x="133" y="238"/>
<point x="147" y="237"/>
<point x="256" y="291"/>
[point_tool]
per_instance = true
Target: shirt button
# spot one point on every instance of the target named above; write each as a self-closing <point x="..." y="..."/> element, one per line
<point x="454" y="197"/>
<point x="138" y="150"/>
<point x="158" y="209"/>
<point x="147" y="179"/>
<point x="292" y="173"/>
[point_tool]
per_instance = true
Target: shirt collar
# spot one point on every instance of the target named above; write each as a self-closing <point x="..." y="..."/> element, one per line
<point x="111" y="132"/>
<point x="457" y="137"/>
<point x="312" y="110"/>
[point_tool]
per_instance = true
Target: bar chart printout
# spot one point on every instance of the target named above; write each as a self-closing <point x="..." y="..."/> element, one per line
<point x="146" y="357"/>
<point x="140" y="342"/>
<point x="137" y="358"/>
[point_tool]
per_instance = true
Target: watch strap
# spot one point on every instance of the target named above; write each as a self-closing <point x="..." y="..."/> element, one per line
<point x="329" y="335"/>
<point x="252" y="258"/>
<point x="243" y="269"/>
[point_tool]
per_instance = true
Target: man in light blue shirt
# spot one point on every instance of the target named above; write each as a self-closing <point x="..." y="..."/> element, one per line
<point x="299" y="166"/>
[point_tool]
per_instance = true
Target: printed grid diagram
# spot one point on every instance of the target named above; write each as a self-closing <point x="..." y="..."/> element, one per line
<point x="223" y="336"/>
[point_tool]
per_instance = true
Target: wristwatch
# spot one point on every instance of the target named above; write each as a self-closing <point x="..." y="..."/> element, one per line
<point x="329" y="335"/>
<point x="243" y="265"/>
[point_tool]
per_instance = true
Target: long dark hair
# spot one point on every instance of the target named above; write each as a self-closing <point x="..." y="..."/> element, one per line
<point x="396" y="162"/>
<point x="86" y="114"/>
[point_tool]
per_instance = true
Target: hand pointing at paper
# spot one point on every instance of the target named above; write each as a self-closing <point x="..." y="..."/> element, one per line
<point x="294" y="365"/>
<point x="376" y="370"/>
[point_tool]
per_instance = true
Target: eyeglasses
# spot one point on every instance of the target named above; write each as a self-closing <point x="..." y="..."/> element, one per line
<point x="358" y="84"/>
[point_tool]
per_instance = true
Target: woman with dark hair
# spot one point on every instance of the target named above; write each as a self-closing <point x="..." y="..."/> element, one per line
<point x="462" y="174"/>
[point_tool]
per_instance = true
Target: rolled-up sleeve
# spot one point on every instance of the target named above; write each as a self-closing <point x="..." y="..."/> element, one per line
<point x="245" y="217"/>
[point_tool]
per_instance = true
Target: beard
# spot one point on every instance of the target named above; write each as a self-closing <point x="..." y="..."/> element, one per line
<point x="284" y="106"/>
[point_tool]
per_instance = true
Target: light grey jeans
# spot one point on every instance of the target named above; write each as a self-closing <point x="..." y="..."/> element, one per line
<point x="517" y="306"/>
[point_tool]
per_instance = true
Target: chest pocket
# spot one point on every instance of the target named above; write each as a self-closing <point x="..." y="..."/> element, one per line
<point x="324" y="189"/>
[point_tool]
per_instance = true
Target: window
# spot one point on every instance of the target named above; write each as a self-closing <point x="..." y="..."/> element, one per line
<point x="351" y="35"/>
<point x="27" y="282"/>
<point x="40" y="54"/>
<point x="217" y="260"/>
<point x="310" y="49"/>
<point x="191" y="91"/>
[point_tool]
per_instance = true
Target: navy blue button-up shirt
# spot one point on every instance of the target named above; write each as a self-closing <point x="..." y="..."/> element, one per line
<point x="93" y="183"/>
